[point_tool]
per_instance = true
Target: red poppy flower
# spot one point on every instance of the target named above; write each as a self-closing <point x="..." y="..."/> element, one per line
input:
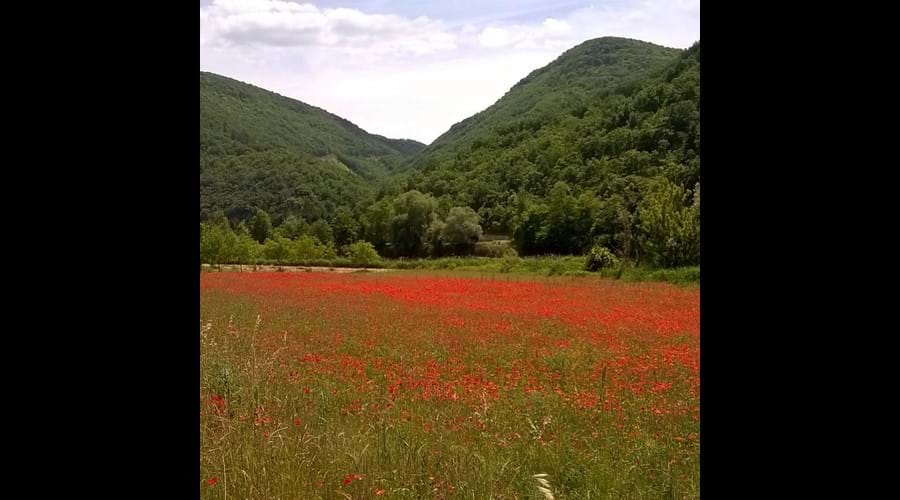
<point x="350" y="478"/>
<point x="212" y="481"/>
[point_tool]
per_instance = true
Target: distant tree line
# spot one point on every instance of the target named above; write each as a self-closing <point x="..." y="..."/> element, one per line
<point x="663" y="230"/>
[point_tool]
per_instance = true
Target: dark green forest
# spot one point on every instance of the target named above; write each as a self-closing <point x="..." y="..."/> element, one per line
<point x="260" y="150"/>
<point x="596" y="153"/>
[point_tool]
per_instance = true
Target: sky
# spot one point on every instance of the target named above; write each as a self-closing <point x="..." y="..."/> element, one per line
<point x="410" y="69"/>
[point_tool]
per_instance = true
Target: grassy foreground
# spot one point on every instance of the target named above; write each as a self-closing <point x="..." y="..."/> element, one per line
<point x="415" y="385"/>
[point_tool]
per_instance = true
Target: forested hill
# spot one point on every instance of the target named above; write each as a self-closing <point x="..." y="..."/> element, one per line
<point x="590" y="130"/>
<point x="579" y="77"/>
<point x="259" y="149"/>
<point x="236" y="118"/>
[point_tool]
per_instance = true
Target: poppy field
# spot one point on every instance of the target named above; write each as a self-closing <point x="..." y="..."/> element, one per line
<point x="410" y="385"/>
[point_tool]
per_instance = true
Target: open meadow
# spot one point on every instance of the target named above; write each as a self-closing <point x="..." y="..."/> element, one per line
<point x="415" y="385"/>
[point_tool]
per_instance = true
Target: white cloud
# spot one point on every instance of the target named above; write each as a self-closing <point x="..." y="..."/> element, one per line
<point x="496" y="37"/>
<point x="275" y="23"/>
<point x="411" y="77"/>
<point x="551" y="33"/>
<point x="674" y="23"/>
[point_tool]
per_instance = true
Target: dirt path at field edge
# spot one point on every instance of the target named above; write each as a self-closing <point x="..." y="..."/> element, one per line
<point x="288" y="269"/>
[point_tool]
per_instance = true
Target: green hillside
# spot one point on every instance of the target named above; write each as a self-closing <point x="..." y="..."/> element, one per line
<point x="601" y="147"/>
<point x="262" y="150"/>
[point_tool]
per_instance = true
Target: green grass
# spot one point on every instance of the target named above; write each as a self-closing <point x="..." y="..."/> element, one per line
<point x="678" y="276"/>
<point x="569" y="265"/>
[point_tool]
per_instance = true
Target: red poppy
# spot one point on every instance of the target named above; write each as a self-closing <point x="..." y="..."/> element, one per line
<point x="212" y="481"/>
<point x="349" y="478"/>
<point x="379" y="492"/>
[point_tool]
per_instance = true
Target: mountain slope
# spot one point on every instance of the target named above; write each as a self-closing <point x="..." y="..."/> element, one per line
<point x="567" y="85"/>
<point x="236" y="117"/>
<point x="262" y="150"/>
<point x="603" y="117"/>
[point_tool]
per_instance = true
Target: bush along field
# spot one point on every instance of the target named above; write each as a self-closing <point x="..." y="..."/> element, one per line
<point x="419" y="385"/>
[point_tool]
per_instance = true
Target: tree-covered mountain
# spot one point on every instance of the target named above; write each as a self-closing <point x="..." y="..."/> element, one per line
<point x="280" y="182"/>
<point x="599" y="147"/>
<point x="566" y="157"/>
<point x="578" y="78"/>
<point x="237" y="118"/>
<point x="261" y="150"/>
